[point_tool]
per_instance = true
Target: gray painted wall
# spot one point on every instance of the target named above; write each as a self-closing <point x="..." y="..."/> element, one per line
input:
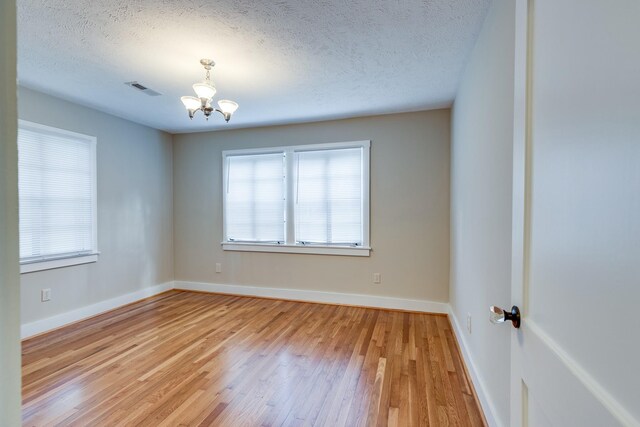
<point x="9" y="279"/>
<point x="410" y="156"/>
<point x="135" y="205"/>
<point x="481" y="177"/>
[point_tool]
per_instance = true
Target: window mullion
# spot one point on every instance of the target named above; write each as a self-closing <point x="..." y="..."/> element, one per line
<point x="290" y="197"/>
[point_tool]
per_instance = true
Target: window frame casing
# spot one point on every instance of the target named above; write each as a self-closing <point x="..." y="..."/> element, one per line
<point x="68" y="259"/>
<point x="290" y="245"/>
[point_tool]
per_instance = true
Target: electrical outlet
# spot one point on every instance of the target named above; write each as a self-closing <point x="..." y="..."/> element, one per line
<point x="45" y="295"/>
<point x="377" y="278"/>
<point x="218" y="267"/>
<point x="469" y="322"/>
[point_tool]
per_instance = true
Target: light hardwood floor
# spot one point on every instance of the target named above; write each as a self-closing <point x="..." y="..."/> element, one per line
<point x="192" y="359"/>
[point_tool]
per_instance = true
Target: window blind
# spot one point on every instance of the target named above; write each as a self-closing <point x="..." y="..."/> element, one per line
<point x="328" y="208"/>
<point x="57" y="175"/>
<point x="255" y="199"/>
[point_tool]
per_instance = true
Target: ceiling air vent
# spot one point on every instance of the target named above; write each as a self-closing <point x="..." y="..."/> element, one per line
<point x="142" y="88"/>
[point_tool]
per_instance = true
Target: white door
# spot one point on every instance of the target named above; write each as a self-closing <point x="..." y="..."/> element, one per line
<point x="576" y="244"/>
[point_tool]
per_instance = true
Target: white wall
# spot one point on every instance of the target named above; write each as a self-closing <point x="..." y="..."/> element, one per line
<point x="481" y="176"/>
<point x="9" y="279"/>
<point x="409" y="210"/>
<point x="135" y="204"/>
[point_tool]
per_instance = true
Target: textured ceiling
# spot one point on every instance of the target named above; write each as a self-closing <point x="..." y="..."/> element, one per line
<point x="283" y="61"/>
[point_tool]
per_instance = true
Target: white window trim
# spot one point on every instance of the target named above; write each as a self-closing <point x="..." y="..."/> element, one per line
<point x="66" y="260"/>
<point x="290" y="246"/>
<point x="57" y="262"/>
<point x="296" y="249"/>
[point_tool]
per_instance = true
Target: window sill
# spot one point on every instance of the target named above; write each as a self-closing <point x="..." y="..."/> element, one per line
<point x="296" y="249"/>
<point x="50" y="264"/>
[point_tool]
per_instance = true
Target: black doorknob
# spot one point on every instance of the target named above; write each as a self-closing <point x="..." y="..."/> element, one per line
<point x="498" y="315"/>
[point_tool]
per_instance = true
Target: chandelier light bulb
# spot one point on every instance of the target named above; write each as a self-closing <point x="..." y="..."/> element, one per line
<point x="204" y="90"/>
<point x="227" y="107"/>
<point x="191" y="102"/>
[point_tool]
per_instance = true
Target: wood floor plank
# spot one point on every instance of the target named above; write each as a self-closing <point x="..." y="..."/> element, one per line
<point x="195" y="359"/>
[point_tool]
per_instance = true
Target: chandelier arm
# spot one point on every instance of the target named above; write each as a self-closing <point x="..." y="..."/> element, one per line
<point x="226" y="116"/>
<point x="192" y="112"/>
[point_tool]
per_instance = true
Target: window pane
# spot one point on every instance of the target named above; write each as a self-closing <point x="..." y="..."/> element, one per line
<point x="329" y="196"/>
<point x="56" y="189"/>
<point x="255" y="203"/>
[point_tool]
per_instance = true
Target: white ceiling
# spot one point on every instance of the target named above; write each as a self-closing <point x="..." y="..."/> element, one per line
<point x="283" y="61"/>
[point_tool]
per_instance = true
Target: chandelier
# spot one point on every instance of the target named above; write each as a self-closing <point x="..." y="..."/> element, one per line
<point x="205" y="92"/>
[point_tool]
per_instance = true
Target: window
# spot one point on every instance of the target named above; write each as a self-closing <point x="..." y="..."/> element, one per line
<point x="57" y="194"/>
<point x="301" y="199"/>
<point x="255" y="198"/>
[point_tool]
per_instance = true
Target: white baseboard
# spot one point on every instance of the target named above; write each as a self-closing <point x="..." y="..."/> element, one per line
<point x="318" y="296"/>
<point x="53" y="322"/>
<point x="488" y="407"/>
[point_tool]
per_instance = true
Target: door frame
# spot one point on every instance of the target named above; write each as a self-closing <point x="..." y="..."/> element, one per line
<point x="521" y="186"/>
<point x="10" y="373"/>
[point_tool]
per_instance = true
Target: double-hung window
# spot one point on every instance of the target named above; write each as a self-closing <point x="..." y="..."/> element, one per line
<point x="255" y="190"/>
<point x="57" y="197"/>
<point x="300" y="199"/>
